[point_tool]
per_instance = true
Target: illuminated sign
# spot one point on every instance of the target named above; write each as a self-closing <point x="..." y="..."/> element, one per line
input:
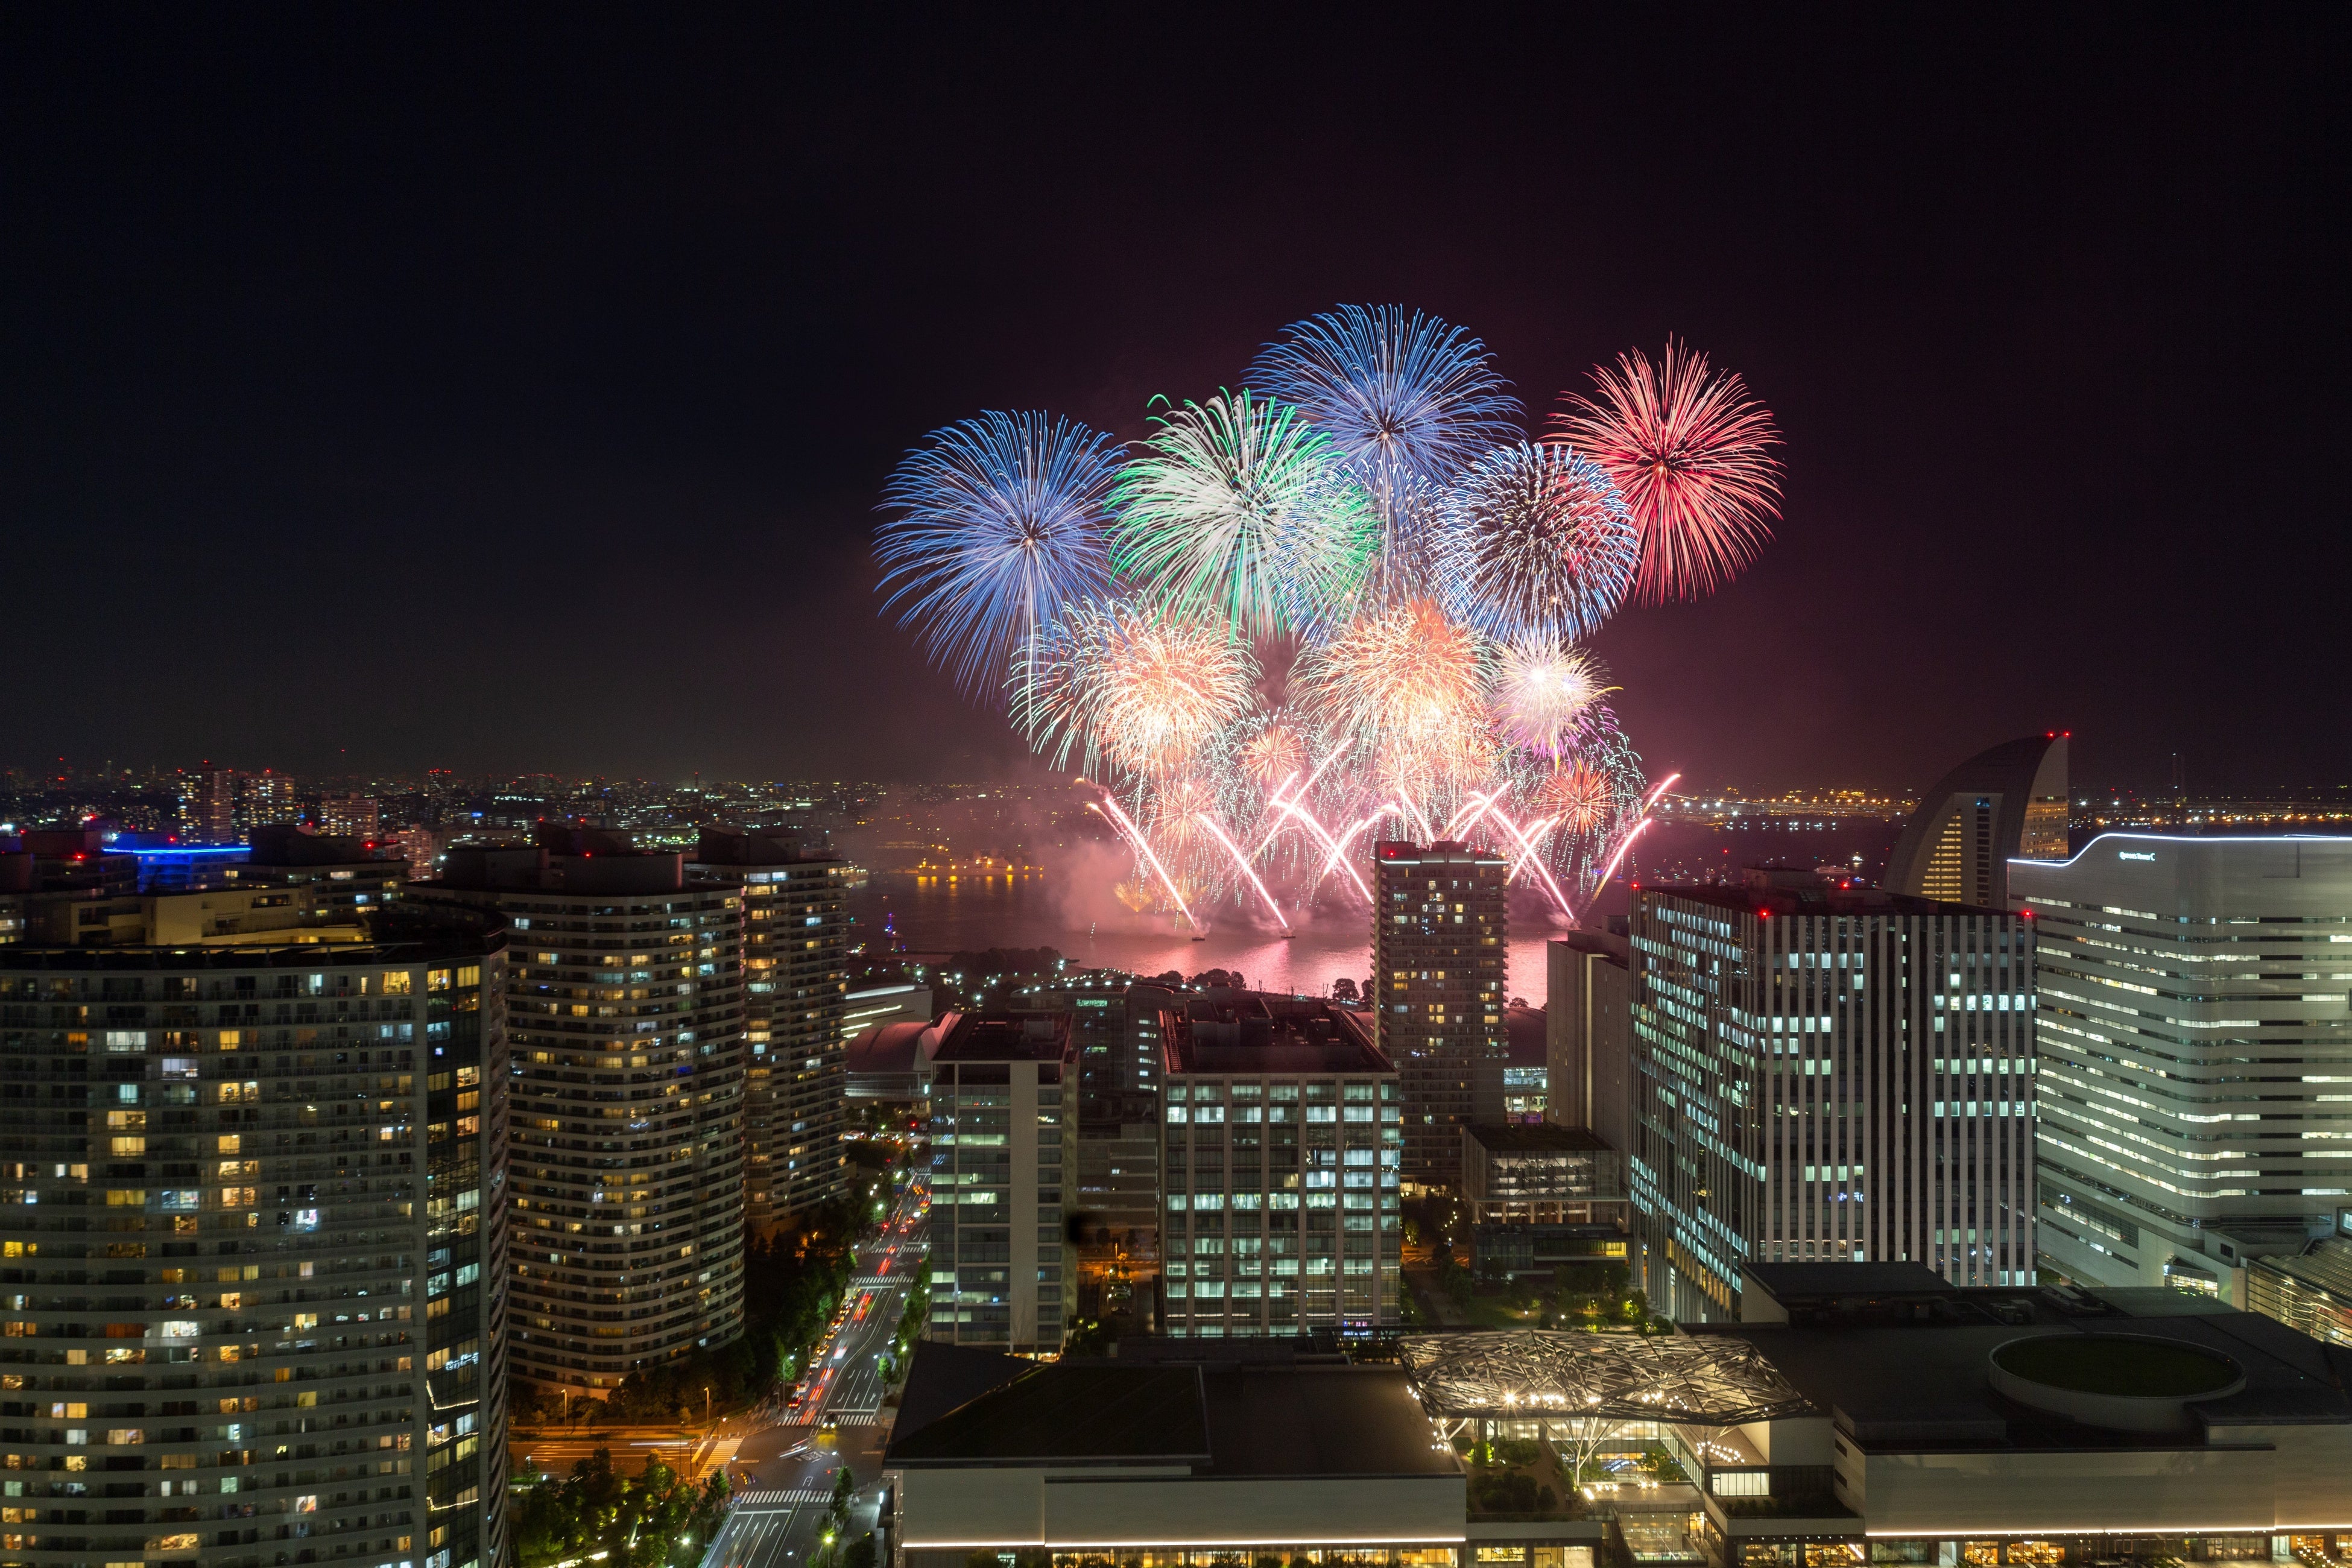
<point x="2134" y="854"/>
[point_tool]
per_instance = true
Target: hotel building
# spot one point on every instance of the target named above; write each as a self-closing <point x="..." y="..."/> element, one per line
<point x="252" y="1253"/>
<point x="2003" y="804"/>
<point x="2196" y="1088"/>
<point x="1439" y="964"/>
<point x="1827" y="1075"/>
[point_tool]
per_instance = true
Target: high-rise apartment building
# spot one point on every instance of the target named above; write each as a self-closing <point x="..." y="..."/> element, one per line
<point x="795" y="991"/>
<point x="252" y="1252"/>
<point x="208" y="805"/>
<point x="1003" y="1145"/>
<point x="2196" y="1084"/>
<point x="2006" y="804"/>
<point x="349" y="816"/>
<point x="625" y="1006"/>
<point x="1831" y="1076"/>
<point x="267" y="796"/>
<point x="1281" y="1146"/>
<point x="1439" y="964"/>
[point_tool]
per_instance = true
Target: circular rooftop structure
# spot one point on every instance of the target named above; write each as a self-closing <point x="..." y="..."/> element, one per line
<point x="2124" y="1382"/>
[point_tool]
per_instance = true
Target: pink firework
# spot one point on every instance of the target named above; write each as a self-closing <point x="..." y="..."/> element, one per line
<point x="1690" y="450"/>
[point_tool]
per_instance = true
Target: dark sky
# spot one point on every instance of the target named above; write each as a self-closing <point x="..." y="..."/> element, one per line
<point x="513" y="393"/>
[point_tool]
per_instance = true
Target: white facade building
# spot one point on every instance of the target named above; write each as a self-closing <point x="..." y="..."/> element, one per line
<point x="2196" y="1082"/>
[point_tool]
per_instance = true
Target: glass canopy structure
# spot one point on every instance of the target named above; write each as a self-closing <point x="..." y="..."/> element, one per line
<point x="1702" y="1379"/>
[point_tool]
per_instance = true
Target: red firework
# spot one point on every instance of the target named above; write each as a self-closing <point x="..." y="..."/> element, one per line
<point x="1690" y="450"/>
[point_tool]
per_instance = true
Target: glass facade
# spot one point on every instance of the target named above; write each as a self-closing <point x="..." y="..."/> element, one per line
<point x="1832" y="1078"/>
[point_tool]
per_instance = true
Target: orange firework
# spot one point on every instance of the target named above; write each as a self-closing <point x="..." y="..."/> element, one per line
<point x="1579" y="797"/>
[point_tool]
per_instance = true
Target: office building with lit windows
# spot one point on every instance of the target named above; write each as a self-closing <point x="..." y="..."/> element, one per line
<point x="252" y="1252"/>
<point x="1827" y="1075"/>
<point x="796" y="992"/>
<point x="1281" y="1146"/>
<point x="1116" y="1028"/>
<point x="1440" y="964"/>
<point x="1003" y="1145"/>
<point x="2196" y="1088"/>
<point x="625" y="997"/>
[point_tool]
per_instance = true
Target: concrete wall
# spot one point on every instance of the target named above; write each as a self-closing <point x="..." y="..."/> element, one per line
<point x="2302" y="1478"/>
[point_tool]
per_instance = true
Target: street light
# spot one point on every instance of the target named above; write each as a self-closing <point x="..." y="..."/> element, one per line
<point x="705" y="1404"/>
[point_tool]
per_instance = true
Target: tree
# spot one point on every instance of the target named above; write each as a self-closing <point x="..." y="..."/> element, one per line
<point x="1343" y="989"/>
<point x="861" y="1553"/>
<point x="1088" y="1337"/>
<point x="659" y="1519"/>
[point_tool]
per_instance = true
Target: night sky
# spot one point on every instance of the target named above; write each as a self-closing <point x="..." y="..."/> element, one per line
<point x="386" y="391"/>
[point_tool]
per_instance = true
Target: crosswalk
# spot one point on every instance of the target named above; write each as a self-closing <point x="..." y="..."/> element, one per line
<point x="779" y="1499"/>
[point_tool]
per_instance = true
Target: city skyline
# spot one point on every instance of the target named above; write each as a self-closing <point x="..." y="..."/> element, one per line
<point x="274" y="340"/>
<point x="1130" y="788"/>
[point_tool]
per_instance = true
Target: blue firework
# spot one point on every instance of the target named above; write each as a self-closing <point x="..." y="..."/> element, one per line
<point x="1000" y="522"/>
<point x="1535" y="541"/>
<point x="1403" y="396"/>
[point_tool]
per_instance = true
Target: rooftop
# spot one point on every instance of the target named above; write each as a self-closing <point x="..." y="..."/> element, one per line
<point x="1253" y="1033"/>
<point x="1902" y="1359"/>
<point x="1007" y="1037"/>
<point x="1218" y="1419"/>
<point x="1444" y="851"/>
<point x="2326" y="1265"/>
<point x="1811" y="896"/>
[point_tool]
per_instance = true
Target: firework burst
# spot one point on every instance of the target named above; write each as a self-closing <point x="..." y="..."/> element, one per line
<point x="1344" y="604"/>
<point x="1002" y="520"/>
<point x="1542" y="690"/>
<point x="1580" y="798"/>
<point x="1692" y="451"/>
<point x="1238" y="510"/>
<point x="1536" y="541"/>
<point x="1401" y="674"/>
<point x="1402" y="395"/>
<point x="1123" y="684"/>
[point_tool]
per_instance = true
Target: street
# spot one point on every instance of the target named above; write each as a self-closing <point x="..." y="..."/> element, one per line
<point x="784" y="1468"/>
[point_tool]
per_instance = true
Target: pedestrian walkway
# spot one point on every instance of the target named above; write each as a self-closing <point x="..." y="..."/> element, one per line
<point x="857" y="1418"/>
<point x="777" y="1499"/>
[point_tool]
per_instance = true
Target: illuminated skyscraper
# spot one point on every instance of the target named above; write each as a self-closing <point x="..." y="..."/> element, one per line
<point x="2196" y="1053"/>
<point x="626" y="1002"/>
<point x="1827" y="1075"/>
<point x="256" y="1272"/>
<point x="1440" y="964"/>
<point x="795" y="987"/>
<point x="268" y="796"/>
